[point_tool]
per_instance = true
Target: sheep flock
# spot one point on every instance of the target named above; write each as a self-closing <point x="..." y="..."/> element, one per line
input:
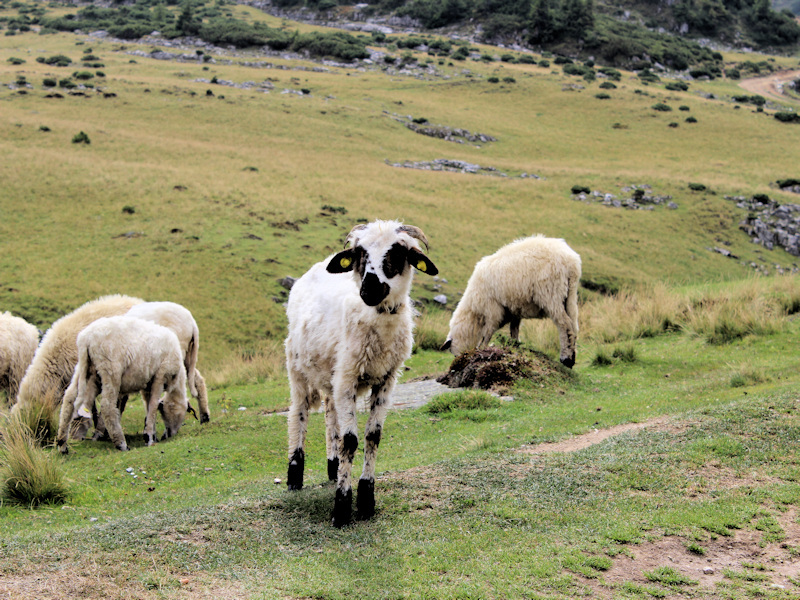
<point x="350" y="329"/>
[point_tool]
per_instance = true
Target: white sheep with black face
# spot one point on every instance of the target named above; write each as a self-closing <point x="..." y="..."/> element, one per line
<point x="123" y="355"/>
<point x="531" y="278"/>
<point x="350" y="330"/>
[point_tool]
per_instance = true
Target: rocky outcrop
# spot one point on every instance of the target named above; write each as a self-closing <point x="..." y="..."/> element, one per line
<point x="771" y="224"/>
<point x="456" y="166"/>
<point x="636" y="197"/>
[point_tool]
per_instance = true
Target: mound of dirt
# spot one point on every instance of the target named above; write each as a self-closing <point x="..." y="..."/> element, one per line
<point x="497" y="368"/>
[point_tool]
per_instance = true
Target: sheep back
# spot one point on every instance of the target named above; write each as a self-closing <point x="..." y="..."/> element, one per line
<point x="50" y="371"/>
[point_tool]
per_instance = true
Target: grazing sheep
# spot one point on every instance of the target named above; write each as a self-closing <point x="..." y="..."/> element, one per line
<point x="18" y="341"/>
<point x="530" y="278"/>
<point x="50" y="371"/>
<point x="349" y="334"/>
<point x="123" y="355"/>
<point x="178" y="319"/>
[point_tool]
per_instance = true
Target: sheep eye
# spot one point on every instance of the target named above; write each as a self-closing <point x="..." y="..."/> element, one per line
<point x="394" y="263"/>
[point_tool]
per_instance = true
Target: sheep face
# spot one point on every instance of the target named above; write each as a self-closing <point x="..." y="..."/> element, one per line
<point x="380" y="259"/>
<point x="174" y="406"/>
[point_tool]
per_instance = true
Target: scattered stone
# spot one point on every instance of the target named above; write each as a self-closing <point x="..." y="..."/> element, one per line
<point x="455" y="166"/>
<point x="440" y="299"/>
<point x="639" y="197"/>
<point x="708" y="570"/>
<point x="287" y="282"/>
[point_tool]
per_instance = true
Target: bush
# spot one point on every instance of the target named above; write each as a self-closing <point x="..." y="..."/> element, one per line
<point x="697" y="187"/>
<point x="509" y="80"/>
<point x="83" y="75"/>
<point x="787" y="117"/>
<point x="81" y="138"/>
<point x="607" y="85"/>
<point x="527" y="59"/>
<point x="677" y="86"/>
<point x="602" y="96"/>
<point x="661" y="107"/>
<point x="16" y="61"/>
<point x="684" y="108"/>
<point x="691" y="120"/>
<point x="581" y="189"/>
<point x="493" y="80"/>
<point x="790" y="182"/>
<point x="59" y="60"/>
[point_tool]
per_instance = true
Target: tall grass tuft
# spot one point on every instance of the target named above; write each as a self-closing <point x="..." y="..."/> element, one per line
<point x="40" y="417"/>
<point x="29" y="474"/>
<point x="250" y="365"/>
<point x="431" y="330"/>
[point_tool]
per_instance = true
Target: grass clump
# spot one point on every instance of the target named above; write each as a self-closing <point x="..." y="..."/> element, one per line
<point x="29" y="474"/>
<point x="668" y="576"/>
<point x="461" y="400"/>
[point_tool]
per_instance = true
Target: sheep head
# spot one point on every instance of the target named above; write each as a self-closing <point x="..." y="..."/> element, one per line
<point x="379" y="256"/>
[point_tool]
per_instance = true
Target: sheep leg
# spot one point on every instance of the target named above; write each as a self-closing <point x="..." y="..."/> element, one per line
<point x="365" y="501"/>
<point x="513" y="325"/>
<point x="567" y="337"/>
<point x="298" y="426"/>
<point x="65" y="418"/>
<point x="348" y="444"/>
<point x="152" y="395"/>
<point x="331" y="438"/>
<point x="202" y="397"/>
<point x="100" y="432"/>
<point x="110" y="412"/>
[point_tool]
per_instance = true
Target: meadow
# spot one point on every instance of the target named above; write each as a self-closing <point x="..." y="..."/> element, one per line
<point x="208" y="194"/>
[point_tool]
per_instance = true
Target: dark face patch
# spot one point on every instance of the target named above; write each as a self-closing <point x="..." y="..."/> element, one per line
<point x="395" y="261"/>
<point x="360" y="257"/>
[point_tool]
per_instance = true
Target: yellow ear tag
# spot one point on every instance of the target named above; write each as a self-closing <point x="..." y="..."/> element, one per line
<point x="345" y="262"/>
<point x="422" y="266"/>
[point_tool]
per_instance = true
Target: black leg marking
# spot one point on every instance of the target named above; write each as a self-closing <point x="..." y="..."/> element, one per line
<point x="294" y="478"/>
<point x="342" y="508"/>
<point x="374" y="436"/>
<point x="365" y="501"/>
<point x="349" y="444"/>
<point x="569" y="362"/>
<point x="147" y="438"/>
<point x="204" y="418"/>
<point x="333" y="468"/>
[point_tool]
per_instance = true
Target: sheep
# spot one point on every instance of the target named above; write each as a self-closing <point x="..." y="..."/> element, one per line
<point x="50" y="371"/>
<point x="349" y="334"/>
<point x="178" y="319"/>
<point x="529" y="278"/>
<point x="123" y="355"/>
<point x="18" y="342"/>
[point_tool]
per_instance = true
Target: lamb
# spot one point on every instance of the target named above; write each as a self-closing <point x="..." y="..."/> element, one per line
<point x="181" y="322"/>
<point x="124" y="355"/>
<point x="51" y="370"/>
<point x="530" y="278"/>
<point x="349" y="335"/>
<point x="18" y="342"/>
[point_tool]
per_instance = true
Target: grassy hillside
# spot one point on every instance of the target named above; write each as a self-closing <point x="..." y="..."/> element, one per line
<point x="208" y="194"/>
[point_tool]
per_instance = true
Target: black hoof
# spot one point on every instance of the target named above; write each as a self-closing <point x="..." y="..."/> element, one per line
<point x="365" y="501"/>
<point x="333" y="469"/>
<point x="205" y="418"/>
<point x="294" y="477"/>
<point x="342" y="509"/>
<point x="568" y="362"/>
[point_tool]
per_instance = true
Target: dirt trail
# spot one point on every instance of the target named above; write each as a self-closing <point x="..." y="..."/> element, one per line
<point x="771" y="86"/>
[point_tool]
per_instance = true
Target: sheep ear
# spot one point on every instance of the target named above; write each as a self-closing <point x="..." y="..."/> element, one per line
<point x="421" y="262"/>
<point x="341" y="263"/>
<point x="446" y="345"/>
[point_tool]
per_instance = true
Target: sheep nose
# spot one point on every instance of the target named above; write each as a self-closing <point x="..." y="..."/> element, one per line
<point x="372" y="290"/>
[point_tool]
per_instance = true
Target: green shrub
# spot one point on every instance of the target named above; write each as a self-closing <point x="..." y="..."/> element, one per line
<point x="691" y="120"/>
<point x="581" y="189"/>
<point x="789" y="182"/>
<point x="49" y="82"/>
<point x="607" y="85"/>
<point x="661" y="107"/>
<point x="527" y="59"/>
<point x="787" y="117"/>
<point x="509" y="80"/>
<point x="83" y="75"/>
<point x="467" y="400"/>
<point x="677" y="86"/>
<point x="81" y="138"/>
<point x="493" y="80"/>
<point x="602" y="359"/>
<point x="59" y="60"/>
<point x="67" y="84"/>
<point x="602" y="96"/>
<point x="544" y="63"/>
<point x="697" y="187"/>
<point x="684" y="108"/>
<point x="626" y="354"/>
<point x="16" y="61"/>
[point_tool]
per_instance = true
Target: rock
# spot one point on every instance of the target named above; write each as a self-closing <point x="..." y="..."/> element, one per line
<point x="440" y="299"/>
<point x="287" y="282"/>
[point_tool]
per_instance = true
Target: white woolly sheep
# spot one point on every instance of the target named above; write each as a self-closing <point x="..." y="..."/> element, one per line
<point x="123" y="355"/>
<point x="18" y="342"/>
<point x="181" y="322"/>
<point x="50" y="371"/>
<point x="349" y="334"/>
<point x="530" y="278"/>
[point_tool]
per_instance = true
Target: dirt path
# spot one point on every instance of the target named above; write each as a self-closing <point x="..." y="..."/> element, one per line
<point x="771" y="86"/>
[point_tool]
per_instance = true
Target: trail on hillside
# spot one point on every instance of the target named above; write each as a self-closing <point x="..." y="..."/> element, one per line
<point x="771" y="85"/>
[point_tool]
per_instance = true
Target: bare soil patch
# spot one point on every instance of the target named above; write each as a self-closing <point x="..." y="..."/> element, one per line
<point x="770" y="85"/>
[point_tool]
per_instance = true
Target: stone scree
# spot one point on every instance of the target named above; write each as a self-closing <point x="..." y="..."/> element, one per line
<point x="639" y="197"/>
